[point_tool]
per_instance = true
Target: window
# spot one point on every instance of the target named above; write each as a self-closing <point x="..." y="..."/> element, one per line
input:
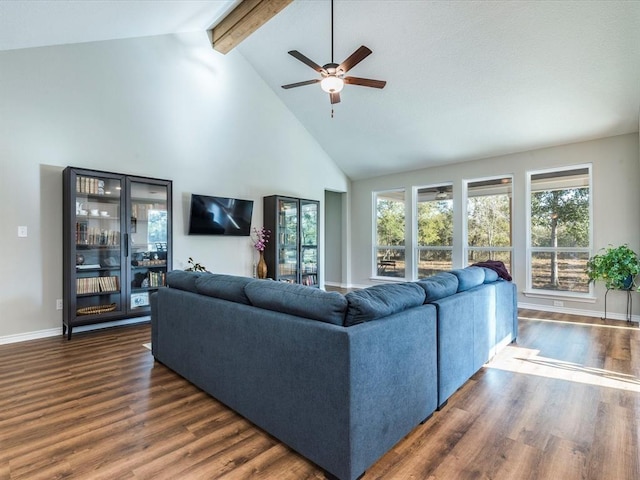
<point x="157" y="227"/>
<point x="434" y="218"/>
<point x="559" y="230"/>
<point x="389" y="247"/>
<point x="489" y="220"/>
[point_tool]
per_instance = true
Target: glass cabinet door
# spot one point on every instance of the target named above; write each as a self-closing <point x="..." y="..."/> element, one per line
<point x="309" y="242"/>
<point x="288" y="240"/>
<point x="96" y="245"/>
<point x="147" y="241"/>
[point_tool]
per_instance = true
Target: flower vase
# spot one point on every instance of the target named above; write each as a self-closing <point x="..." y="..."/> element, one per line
<point x="262" y="267"/>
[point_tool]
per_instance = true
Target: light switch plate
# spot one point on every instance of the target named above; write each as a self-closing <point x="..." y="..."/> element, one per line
<point x="22" y="231"/>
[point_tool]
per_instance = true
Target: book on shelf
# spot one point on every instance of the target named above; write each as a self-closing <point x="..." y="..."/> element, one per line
<point x="89" y="185"/>
<point x="309" y="280"/>
<point x="96" y="285"/>
<point x="157" y="279"/>
<point x="94" y="236"/>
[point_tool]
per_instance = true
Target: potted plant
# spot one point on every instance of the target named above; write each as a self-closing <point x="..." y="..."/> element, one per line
<point x="617" y="267"/>
<point x="260" y="239"/>
<point x="195" y="266"/>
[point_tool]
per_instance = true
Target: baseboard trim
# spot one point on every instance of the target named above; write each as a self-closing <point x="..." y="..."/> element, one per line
<point x="24" y="337"/>
<point x="54" y="332"/>
<point x="577" y="311"/>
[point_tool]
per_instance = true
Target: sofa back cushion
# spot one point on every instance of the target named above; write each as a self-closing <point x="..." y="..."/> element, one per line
<point x="439" y="286"/>
<point x="381" y="301"/>
<point x="490" y="276"/>
<point x="299" y="300"/>
<point x="183" y="280"/>
<point x="469" y="277"/>
<point x="226" y="287"/>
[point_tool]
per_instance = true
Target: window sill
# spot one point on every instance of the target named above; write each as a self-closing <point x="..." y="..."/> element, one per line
<point x="559" y="296"/>
<point x="388" y="279"/>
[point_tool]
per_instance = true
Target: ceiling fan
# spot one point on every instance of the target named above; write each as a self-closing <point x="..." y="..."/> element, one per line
<point x="442" y="194"/>
<point x="333" y="75"/>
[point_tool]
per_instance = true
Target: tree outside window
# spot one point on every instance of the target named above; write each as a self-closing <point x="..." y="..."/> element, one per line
<point x="157" y="228"/>
<point x="560" y="239"/>
<point x="489" y="220"/>
<point x="434" y="217"/>
<point x="390" y="233"/>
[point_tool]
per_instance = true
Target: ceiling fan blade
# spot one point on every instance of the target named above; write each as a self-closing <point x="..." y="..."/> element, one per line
<point x="334" y="97"/>
<point x="355" y="58"/>
<point x="365" y="82"/>
<point x="307" y="61"/>
<point x="300" y="84"/>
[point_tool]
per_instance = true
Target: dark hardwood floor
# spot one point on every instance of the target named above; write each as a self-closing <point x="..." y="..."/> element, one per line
<point x="562" y="403"/>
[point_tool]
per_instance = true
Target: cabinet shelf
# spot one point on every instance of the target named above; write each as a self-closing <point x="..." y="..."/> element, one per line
<point x="85" y="246"/>
<point x="145" y="289"/>
<point x="97" y="269"/>
<point x="98" y="294"/>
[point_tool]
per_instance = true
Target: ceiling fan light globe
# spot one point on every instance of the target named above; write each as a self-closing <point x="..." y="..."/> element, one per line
<point x="332" y="84"/>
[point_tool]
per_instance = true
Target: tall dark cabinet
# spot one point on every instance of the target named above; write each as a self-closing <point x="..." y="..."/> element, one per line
<point x="292" y="253"/>
<point x="116" y="245"/>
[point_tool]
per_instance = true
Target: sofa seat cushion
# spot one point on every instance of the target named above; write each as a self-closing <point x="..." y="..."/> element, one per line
<point x="381" y="301"/>
<point x="226" y="287"/>
<point x="469" y="277"/>
<point x="439" y="286"/>
<point x="299" y="300"/>
<point x="183" y="280"/>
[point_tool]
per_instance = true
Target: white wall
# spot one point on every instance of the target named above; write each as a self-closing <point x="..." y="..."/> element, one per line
<point x="166" y="106"/>
<point x="333" y="238"/>
<point x="616" y="197"/>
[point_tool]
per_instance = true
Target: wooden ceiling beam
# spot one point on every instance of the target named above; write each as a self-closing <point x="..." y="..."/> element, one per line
<point x="242" y="21"/>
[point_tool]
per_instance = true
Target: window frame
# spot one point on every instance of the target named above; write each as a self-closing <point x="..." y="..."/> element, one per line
<point x="465" y="224"/>
<point x="417" y="249"/>
<point x="549" y="293"/>
<point x="374" y="251"/>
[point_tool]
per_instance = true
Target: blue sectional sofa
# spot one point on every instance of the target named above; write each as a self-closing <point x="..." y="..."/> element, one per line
<point x="477" y="315"/>
<point x="338" y="378"/>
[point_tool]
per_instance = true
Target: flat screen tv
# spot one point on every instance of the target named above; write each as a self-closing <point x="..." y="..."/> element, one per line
<point x="220" y="216"/>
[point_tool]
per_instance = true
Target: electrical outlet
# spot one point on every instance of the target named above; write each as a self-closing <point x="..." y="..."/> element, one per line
<point x="59" y="304"/>
<point x="558" y="303"/>
<point x="22" y="231"/>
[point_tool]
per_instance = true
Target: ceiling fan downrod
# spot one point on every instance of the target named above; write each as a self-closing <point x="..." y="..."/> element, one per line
<point x="332" y="31"/>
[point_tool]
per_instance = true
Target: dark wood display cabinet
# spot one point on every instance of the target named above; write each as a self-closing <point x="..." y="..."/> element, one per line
<point x="292" y="251"/>
<point x="116" y="245"/>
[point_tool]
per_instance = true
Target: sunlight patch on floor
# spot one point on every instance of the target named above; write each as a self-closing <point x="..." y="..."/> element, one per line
<point x="527" y="361"/>
<point x="147" y="345"/>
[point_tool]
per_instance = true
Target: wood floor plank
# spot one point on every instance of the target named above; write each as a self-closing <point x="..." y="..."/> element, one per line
<point x="563" y="402"/>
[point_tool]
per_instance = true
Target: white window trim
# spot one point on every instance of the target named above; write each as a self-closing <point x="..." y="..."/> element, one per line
<point x="414" y="228"/>
<point x="554" y="294"/>
<point x="374" y="236"/>
<point x="465" y="215"/>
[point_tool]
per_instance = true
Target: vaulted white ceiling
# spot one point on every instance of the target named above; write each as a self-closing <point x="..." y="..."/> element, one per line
<point x="466" y="79"/>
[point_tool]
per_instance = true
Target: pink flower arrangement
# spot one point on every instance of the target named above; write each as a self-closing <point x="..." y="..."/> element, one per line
<point x="260" y="238"/>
